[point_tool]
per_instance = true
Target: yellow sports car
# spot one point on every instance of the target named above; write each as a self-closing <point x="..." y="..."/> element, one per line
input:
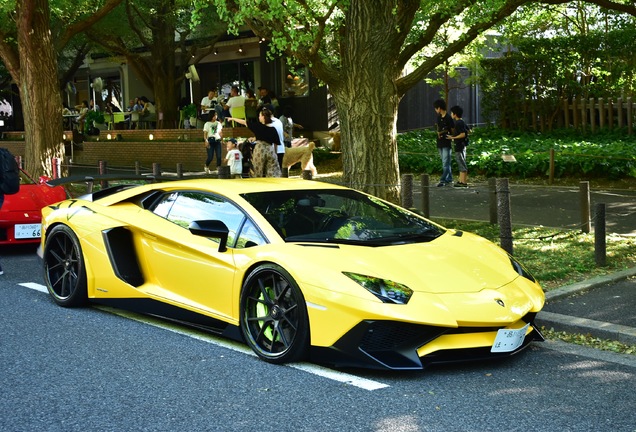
<point x="297" y="269"/>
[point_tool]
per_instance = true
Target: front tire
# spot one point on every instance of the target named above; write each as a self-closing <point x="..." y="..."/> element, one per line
<point x="274" y="318"/>
<point x="64" y="270"/>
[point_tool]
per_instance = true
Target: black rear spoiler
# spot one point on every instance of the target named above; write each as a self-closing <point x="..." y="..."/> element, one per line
<point x="103" y="179"/>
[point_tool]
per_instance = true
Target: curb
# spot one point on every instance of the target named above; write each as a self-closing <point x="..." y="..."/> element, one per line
<point x="599" y="329"/>
<point x="584" y="286"/>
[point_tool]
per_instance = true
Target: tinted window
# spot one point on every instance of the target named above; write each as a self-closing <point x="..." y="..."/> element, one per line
<point x="341" y="216"/>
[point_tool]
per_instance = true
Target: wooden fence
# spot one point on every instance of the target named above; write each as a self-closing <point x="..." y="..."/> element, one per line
<point x="583" y="114"/>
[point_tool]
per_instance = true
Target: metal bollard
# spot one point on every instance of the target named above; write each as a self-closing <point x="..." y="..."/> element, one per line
<point x="55" y="166"/>
<point x="503" y="215"/>
<point x="406" y="190"/>
<point x="179" y="170"/>
<point x="224" y="172"/>
<point x="103" y="170"/>
<point x="156" y="171"/>
<point x="600" y="245"/>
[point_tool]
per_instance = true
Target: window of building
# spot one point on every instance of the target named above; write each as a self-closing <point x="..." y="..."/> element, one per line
<point x="295" y="80"/>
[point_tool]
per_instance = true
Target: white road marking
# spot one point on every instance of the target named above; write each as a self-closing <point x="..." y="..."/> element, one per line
<point x="35" y="286"/>
<point x="324" y="372"/>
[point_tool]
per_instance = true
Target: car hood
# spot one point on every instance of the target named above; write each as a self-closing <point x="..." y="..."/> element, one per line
<point x="455" y="262"/>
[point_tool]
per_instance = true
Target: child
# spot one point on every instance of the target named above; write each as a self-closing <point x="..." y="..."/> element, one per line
<point x="461" y="141"/>
<point x="212" y="139"/>
<point x="234" y="159"/>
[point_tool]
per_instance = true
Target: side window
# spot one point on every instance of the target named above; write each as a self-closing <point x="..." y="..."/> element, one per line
<point x="250" y="236"/>
<point x="184" y="207"/>
<point x="162" y="208"/>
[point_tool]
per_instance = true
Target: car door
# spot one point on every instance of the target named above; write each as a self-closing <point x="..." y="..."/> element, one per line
<point x="188" y="268"/>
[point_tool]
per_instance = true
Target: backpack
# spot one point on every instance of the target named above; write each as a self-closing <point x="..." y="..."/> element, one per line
<point x="9" y="173"/>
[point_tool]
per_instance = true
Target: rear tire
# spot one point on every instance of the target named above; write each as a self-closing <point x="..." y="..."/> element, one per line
<point x="64" y="270"/>
<point x="274" y="318"/>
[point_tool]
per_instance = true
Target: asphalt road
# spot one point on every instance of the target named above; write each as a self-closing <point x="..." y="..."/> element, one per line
<point x="550" y="206"/>
<point x="94" y="370"/>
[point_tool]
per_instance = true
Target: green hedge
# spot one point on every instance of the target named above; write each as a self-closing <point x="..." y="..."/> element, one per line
<point x="610" y="154"/>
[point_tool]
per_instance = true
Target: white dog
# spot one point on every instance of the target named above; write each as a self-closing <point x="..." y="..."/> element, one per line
<point x="303" y="154"/>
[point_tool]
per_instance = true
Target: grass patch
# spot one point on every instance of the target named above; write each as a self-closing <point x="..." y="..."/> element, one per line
<point x="589" y="341"/>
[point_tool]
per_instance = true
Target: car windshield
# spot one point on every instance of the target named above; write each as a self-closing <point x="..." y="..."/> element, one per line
<point x="340" y="216"/>
<point x="25" y="179"/>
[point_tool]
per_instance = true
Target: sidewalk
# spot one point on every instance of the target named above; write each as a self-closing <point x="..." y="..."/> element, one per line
<point x="603" y="307"/>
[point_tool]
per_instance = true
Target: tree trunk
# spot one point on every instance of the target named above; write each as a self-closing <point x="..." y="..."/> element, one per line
<point x="164" y="64"/>
<point x="166" y="100"/>
<point x="41" y="104"/>
<point x="368" y="139"/>
<point x="367" y="101"/>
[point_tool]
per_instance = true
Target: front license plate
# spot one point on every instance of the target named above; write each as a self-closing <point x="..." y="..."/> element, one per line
<point x="508" y="340"/>
<point x="27" y="231"/>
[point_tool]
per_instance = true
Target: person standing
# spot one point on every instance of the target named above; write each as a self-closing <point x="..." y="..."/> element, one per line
<point x="280" y="146"/>
<point x="234" y="158"/>
<point x="264" y="158"/>
<point x="288" y="125"/>
<point x="444" y="127"/>
<point x="212" y="139"/>
<point x="460" y="138"/>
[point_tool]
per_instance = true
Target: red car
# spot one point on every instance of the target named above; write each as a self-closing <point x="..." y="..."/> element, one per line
<point x="20" y="216"/>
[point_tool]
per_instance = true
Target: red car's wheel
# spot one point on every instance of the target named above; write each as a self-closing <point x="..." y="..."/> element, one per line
<point x="64" y="270"/>
<point x="274" y="315"/>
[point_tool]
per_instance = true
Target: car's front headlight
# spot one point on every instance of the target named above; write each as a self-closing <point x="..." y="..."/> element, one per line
<point x="521" y="270"/>
<point x="386" y="290"/>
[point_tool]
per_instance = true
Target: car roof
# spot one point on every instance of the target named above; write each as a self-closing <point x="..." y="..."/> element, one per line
<point x="227" y="187"/>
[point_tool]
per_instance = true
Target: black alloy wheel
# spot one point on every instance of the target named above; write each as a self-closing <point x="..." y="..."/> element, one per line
<point x="64" y="269"/>
<point x="274" y="318"/>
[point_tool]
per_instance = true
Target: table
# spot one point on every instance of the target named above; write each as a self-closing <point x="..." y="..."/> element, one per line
<point x="67" y="121"/>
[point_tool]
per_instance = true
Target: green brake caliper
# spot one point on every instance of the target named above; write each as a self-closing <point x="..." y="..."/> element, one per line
<point x="263" y="310"/>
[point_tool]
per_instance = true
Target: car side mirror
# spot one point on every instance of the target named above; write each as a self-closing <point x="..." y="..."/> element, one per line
<point x="211" y="228"/>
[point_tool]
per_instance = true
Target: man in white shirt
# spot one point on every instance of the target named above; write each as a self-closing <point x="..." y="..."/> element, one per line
<point x="235" y="101"/>
<point x="208" y="104"/>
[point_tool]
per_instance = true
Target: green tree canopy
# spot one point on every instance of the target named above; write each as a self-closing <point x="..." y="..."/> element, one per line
<point x="32" y="34"/>
<point x="158" y="42"/>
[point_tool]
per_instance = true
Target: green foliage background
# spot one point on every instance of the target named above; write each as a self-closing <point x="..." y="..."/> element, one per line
<point x="542" y="72"/>
<point x="608" y="154"/>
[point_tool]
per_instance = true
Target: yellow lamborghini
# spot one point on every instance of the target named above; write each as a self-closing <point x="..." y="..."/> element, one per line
<point x="297" y="269"/>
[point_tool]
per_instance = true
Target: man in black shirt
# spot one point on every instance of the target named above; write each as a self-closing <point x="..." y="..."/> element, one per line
<point x="444" y="126"/>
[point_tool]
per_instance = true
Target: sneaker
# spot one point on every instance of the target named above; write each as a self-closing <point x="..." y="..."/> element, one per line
<point x="441" y="184"/>
<point x="206" y="169"/>
<point x="460" y="185"/>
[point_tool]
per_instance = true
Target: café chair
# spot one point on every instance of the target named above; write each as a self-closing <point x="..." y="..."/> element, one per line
<point x="237" y="112"/>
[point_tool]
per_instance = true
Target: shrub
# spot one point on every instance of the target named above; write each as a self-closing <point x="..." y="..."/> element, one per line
<point x="608" y="154"/>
